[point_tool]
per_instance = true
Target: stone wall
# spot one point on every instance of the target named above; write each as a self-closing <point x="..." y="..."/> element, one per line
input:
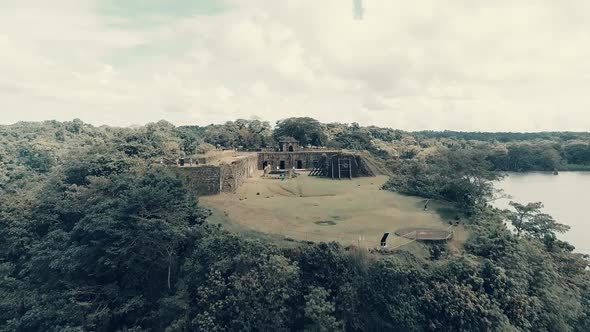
<point x="235" y="173"/>
<point x="311" y="159"/>
<point x="213" y="179"/>
<point x="202" y="180"/>
<point x="307" y="158"/>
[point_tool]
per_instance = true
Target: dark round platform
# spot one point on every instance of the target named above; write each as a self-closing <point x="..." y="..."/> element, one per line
<point x="424" y="234"/>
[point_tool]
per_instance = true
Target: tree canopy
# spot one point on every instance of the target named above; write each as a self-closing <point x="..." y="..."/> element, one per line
<point x="305" y="130"/>
<point x="94" y="236"/>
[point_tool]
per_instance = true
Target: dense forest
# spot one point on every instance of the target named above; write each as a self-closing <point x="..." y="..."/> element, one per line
<point x="95" y="237"/>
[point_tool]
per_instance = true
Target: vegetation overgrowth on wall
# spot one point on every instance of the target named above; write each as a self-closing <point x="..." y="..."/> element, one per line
<point x="92" y="238"/>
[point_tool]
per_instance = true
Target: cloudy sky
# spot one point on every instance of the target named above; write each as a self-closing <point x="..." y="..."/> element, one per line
<point x="425" y="64"/>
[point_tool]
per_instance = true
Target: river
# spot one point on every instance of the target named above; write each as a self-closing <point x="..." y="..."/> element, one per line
<point x="566" y="197"/>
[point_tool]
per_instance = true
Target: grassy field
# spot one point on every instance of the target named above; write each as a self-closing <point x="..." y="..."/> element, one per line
<point x="352" y="212"/>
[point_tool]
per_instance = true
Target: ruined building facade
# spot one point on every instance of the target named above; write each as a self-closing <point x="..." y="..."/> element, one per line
<point x="225" y="171"/>
<point x="330" y="163"/>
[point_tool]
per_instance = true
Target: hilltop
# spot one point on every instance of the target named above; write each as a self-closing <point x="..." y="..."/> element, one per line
<point x="96" y="235"/>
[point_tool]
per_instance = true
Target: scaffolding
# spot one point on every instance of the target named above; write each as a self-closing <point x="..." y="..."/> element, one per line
<point x="340" y="166"/>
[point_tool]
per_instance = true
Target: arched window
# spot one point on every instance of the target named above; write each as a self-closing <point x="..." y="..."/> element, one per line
<point x="290" y="148"/>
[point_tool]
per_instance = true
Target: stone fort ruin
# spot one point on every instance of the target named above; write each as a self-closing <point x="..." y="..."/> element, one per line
<point x="320" y="162"/>
<point x="225" y="171"/>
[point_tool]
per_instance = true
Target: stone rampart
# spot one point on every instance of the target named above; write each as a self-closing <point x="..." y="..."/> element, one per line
<point x="202" y="179"/>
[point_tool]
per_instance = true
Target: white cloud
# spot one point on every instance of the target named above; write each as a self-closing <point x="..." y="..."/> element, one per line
<point x="468" y="65"/>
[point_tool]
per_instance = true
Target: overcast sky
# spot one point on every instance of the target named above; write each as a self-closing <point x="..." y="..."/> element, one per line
<point x="425" y="64"/>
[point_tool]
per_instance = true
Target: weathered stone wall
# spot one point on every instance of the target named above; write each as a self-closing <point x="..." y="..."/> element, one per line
<point x="229" y="175"/>
<point x="235" y="173"/>
<point x="307" y="158"/>
<point x="203" y="180"/>
<point x="213" y="179"/>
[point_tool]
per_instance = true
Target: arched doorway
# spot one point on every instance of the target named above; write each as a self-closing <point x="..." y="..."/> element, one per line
<point x="282" y="164"/>
<point x="299" y="164"/>
<point x="290" y="148"/>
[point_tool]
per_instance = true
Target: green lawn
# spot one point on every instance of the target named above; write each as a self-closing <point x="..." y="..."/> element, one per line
<point x="352" y="212"/>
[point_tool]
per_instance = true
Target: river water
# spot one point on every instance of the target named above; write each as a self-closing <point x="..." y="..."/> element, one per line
<point x="566" y="197"/>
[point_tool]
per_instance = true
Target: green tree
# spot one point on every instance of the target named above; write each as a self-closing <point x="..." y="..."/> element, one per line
<point x="355" y="139"/>
<point x="104" y="250"/>
<point x="319" y="312"/>
<point x="461" y="176"/>
<point x="36" y="159"/>
<point x="529" y="220"/>
<point x="577" y="153"/>
<point x="489" y="236"/>
<point x="239" y="285"/>
<point x="305" y="130"/>
<point x="532" y="157"/>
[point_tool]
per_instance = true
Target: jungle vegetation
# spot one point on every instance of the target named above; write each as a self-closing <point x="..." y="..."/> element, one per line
<point x="94" y="237"/>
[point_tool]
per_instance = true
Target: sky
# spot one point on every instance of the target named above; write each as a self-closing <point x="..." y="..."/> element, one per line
<point x="469" y="65"/>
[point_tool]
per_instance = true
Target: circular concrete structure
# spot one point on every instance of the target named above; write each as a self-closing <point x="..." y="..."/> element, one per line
<point x="424" y="234"/>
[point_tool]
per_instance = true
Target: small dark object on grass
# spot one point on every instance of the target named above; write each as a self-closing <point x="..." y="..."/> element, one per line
<point x="325" y="223"/>
<point x="289" y="239"/>
<point x="258" y="194"/>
